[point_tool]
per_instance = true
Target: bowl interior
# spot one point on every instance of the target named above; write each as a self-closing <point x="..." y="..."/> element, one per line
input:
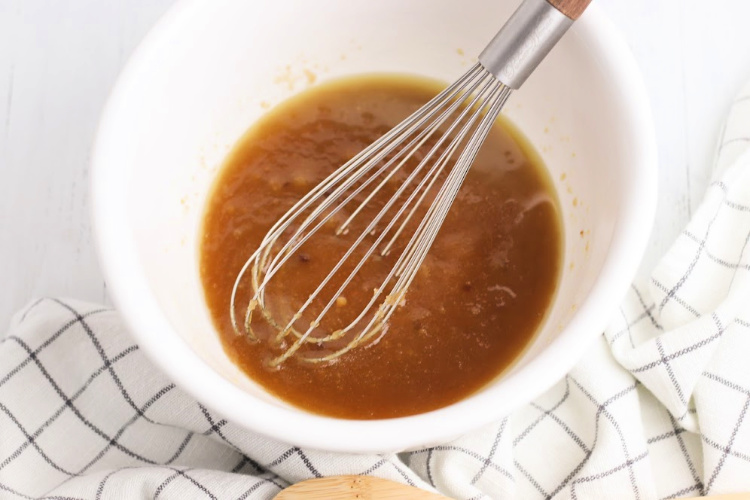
<point x="212" y="68"/>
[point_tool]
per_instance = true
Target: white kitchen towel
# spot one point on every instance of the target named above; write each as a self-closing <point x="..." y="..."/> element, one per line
<point x="658" y="407"/>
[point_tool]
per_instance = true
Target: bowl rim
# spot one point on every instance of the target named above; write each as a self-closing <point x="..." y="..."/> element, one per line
<point x="128" y="286"/>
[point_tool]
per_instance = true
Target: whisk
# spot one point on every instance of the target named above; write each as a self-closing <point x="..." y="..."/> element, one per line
<point x="427" y="157"/>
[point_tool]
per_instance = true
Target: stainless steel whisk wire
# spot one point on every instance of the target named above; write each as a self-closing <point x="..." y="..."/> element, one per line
<point x="478" y="97"/>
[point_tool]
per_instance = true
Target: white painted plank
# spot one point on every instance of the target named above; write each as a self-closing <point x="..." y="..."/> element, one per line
<point x="57" y="63"/>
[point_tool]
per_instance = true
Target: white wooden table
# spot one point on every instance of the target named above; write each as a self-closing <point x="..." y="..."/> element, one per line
<point x="59" y="59"/>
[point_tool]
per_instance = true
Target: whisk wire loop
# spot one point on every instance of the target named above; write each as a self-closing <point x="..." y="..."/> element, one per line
<point x="393" y="299"/>
<point x="456" y="122"/>
<point x="345" y="172"/>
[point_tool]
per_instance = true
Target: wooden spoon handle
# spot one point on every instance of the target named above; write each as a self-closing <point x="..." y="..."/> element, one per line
<point x="374" y="488"/>
<point x="728" y="496"/>
<point x="354" y="487"/>
<point x="571" y="8"/>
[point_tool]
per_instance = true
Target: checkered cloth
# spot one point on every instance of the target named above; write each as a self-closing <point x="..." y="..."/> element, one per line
<point x="656" y="409"/>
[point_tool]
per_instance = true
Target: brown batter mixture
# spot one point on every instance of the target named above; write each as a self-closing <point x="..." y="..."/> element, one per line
<point x="475" y="304"/>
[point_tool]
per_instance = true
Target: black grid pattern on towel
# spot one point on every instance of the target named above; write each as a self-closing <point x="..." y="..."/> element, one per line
<point x="84" y="415"/>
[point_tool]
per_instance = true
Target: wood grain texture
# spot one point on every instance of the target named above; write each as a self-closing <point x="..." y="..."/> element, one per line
<point x="728" y="496"/>
<point x="354" y="488"/>
<point x="373" y="488"/>
<point x="571" y="8"/>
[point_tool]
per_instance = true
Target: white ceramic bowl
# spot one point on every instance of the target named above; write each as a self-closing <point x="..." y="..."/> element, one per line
<point x="212" y="67"/>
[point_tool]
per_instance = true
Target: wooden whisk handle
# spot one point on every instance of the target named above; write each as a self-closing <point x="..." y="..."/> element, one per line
<point x="571" y="8"/>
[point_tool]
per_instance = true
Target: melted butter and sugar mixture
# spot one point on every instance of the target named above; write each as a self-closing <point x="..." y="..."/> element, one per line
<point x="475" y="304"/>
